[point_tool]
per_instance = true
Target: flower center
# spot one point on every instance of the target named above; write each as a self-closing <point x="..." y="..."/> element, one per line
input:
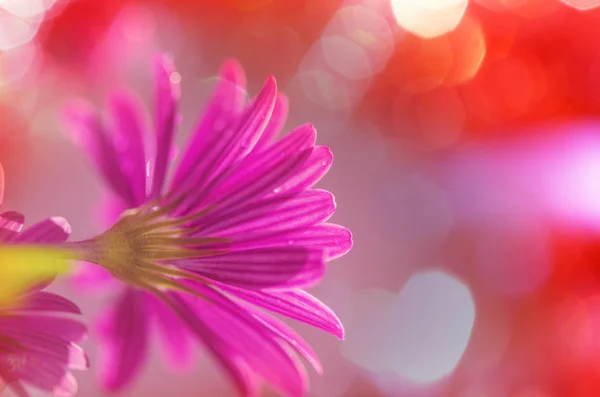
<point x="144" y="246"/>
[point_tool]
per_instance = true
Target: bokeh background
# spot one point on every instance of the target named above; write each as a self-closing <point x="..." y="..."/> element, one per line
<point x="467" y="164"/>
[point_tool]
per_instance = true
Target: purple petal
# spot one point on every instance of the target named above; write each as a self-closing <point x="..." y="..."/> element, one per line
<point x="78" y="360"/>
<point x="167" y="98"/>
<point x="335" y="240"/>
<point x="296" y="141"/>
<point x="295" y="341"/>
<point x="229" y="146"/>
<point x="275" y="125"/>
<point x="259" y="180"/>
<point x="129" y="141"/>
<point x="11" y="223"/>
<point x="311" y="172"/>
<point x="90" y="278"/>
<point x="89" y="133"/>
<point x="296" y="304"/>
<point x="59" y="328"/>
<point x="124" y="338"/>
<point x="109" y="210"/>
<point x="224" y="106"/>
<point x="175" y="338"/>
<point x="277" y="213"/>
<point x="235" y="336"/>
<point x="47" y="301"/>
<point x="33" y="369"/>
<point x="44" y="353"/>
<point x="53" y="230"/>
<point x="279" y="267"/>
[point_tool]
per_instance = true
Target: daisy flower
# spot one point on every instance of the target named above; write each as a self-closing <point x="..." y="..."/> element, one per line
<point x="235" y="234"/>
<point x="38" y="335"/>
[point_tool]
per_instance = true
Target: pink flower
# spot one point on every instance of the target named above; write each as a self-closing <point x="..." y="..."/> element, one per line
<point x="38" y="336"/>
<point x="237" y="234"/>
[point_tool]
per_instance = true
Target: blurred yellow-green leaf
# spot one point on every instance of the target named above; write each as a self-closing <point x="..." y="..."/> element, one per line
<point x="22" y="267"/>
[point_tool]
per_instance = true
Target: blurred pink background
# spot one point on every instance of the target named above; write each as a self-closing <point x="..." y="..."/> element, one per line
<point x="466" y="163"/>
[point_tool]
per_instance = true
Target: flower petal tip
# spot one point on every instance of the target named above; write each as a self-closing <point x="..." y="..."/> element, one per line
<point x="327" y="155"/>
<point x="62" y="224"/>
<point x="271" y="83"/>
<point x="343" y="243"/>
<point x="233" y="71"/>
<point x="338" y="329"/>
<point x="78" y="359"/>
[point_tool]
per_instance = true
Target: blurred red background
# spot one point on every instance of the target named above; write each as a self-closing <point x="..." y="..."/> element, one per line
<point x="467" y="151"/>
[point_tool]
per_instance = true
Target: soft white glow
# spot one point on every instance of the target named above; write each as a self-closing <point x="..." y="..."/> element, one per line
<point x="574" y="186"/>
<point x="26" y="8"/>
<point x="14" y="31"/>
<point x="368" y="29"/>
<point x="16" y="62"/>
<point x="337" y="70"/>
<point x="325" y="89"/>
<point x="346" y="57"/>
<point x="582" y="4"/>
<point x="19" y="21"/>
<point x="431" y="324"/>
<point x="365" y="332"/>
<point x="428" y="18"/>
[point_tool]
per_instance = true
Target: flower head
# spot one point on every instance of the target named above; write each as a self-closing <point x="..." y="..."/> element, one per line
<point x="38" y="338"/>
<point x="236" y="233"/>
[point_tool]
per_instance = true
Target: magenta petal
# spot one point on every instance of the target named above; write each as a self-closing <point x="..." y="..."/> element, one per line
<point x="260" y="180"/>
<point x="43" y="356"/>
<point x="295" y="304"/>
<point x="294" y="340"/>
<point x="241" y="373"/>
<point x="223" y="108"/>
<point x="229" y="146"/>
<point x="129" y="141"/>
<point x="275" y="214"/>
<point x="61" y="328"/>
<point x="278" y="267"/>
<point x="167" y="98"/>
<point x="89" y="133"/>
<point x="32" y="369"/>
<point x="175" y="338"/>
<point x="124" y="338"/>
<point x="47" y="301"/>
<point x="293" y="143"/>
<point x="111" y="207"/>
<point x="311" y="172"/>
<point x="53" y="230"/>
<point x="11" y="223"/>
<point x="259" y="173"/>
<point x="90" y="278"/>
<point x="276" y="123"/>
<point x="335" y="240"/>
<point x="232" y="333"/>
<point x="78" y="359"/>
